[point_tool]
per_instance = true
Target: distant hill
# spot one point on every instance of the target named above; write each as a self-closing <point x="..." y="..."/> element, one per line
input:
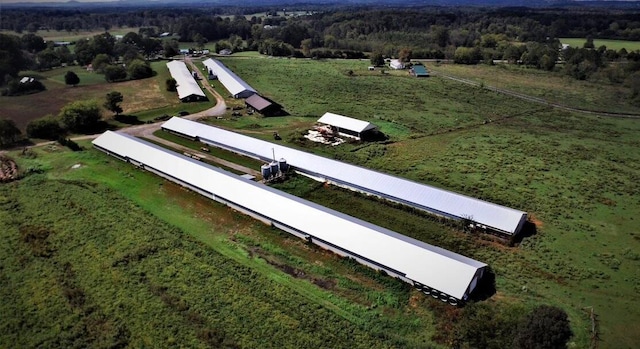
<point x="630" y="4"/>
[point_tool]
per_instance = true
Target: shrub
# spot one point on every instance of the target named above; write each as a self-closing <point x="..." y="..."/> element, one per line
<point x="546" y="327"/>
<point x="45" y="128"/>
<point x="17" y="88"/>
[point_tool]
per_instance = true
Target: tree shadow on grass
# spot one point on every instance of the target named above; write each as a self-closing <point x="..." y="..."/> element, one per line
<point x="128" y="119"/>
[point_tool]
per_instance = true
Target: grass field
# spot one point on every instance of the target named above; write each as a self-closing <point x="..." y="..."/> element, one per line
<point x="145" y="98"/>
<point x="578" y="177"/>
<point x="610" y="44"/>
<point x="554" y="87"/>
<point x="62" y="35"/>
<point x="153" y="270"/>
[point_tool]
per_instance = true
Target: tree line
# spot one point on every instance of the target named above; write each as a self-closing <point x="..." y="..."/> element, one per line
<point x="79" y="117"/>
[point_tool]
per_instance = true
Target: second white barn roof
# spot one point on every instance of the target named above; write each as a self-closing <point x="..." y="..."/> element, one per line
<point x="415" y="194"/>
<point x="186" y="84"/>
<point x="345" y="122"/>
<point x="438" y="268"/>
<point x="232" y="82"/>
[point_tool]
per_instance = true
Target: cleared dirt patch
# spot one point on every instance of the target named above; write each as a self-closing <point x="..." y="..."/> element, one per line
<point x="138" y="95"/>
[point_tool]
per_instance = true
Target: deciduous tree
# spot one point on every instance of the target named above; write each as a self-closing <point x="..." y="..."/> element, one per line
<point x="139" y="69"/>
<point x="11" y="58"/>
<point x="172" y="84"/>
<point x="81" y="116"/>
<point x="47" y="127"/>
<point x="71" y="78"/>
<point x="113" y="73"/>
<point x="9" y="132"/>
<point x="377" y="60"/>
<point x="112" y="103"/>
<point x="405" y="55"/>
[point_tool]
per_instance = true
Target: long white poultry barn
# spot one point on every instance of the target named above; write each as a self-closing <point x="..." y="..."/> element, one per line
<point x="484" y="215"/>
<point x="237" y="87"/>
<point x="187" y="87"/>
<point x="441" y="273"/>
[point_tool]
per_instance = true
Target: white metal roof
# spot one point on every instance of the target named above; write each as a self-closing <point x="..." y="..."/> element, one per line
<point x="443" y="270"/>
<point x="232" y="82"/>
<point x="345" y="122"/>
<point x="415" y="194"/>
<point x="187" y="85"/>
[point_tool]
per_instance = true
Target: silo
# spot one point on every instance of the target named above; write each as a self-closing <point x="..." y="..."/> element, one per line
<point x="266" y="171"/>
<point x="274" y="168"/>
<point x="283" y="165"/>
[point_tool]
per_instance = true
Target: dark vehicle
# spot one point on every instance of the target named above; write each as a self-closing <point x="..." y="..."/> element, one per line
<point x="183" y="113"/>
<point x="162" y="118"/>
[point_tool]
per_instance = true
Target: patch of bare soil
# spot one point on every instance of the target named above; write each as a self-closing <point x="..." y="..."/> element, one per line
<point x="8" y="170"/>
<point x="536" y="221"/>
<point x="327" y="284"/>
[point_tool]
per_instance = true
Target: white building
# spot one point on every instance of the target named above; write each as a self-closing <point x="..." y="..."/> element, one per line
<point x="441" y="273"/>
<point x="396" y="64"/>
<point x="236" y="86"/>
<point x="347" y="126"/>
<point x="482" y="214"/>
<point x="188" y="88"/>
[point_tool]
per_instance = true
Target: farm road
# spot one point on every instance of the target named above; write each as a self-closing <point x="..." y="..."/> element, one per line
<point x="537" y="99"/>
<point x="220" y="108"/>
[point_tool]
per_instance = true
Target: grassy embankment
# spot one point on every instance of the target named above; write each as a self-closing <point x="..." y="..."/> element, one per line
<point x="610" y="44"/>
<point x="576" y="175"/>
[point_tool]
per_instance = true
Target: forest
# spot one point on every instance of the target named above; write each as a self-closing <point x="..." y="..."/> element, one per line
<point x="465" y="35"/>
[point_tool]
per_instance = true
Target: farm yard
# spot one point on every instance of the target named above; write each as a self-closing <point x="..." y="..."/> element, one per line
<point x="145" y="98"/>
<point x="576" y="175"/>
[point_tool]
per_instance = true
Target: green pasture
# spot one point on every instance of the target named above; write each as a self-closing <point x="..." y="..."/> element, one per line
<point x="171" y="277"/>
<point x="410" y="107"/>
<point x="554" y="87"/>
<point x="610" y="44"/>
<point x="576" y="175"/>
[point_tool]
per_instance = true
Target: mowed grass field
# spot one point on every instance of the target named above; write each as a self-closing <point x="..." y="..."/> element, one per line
<point x="553" y="87"/>
<point x="577" y="176"/>
<point x="145" y="98"/>
<point x="610" y="44"/>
